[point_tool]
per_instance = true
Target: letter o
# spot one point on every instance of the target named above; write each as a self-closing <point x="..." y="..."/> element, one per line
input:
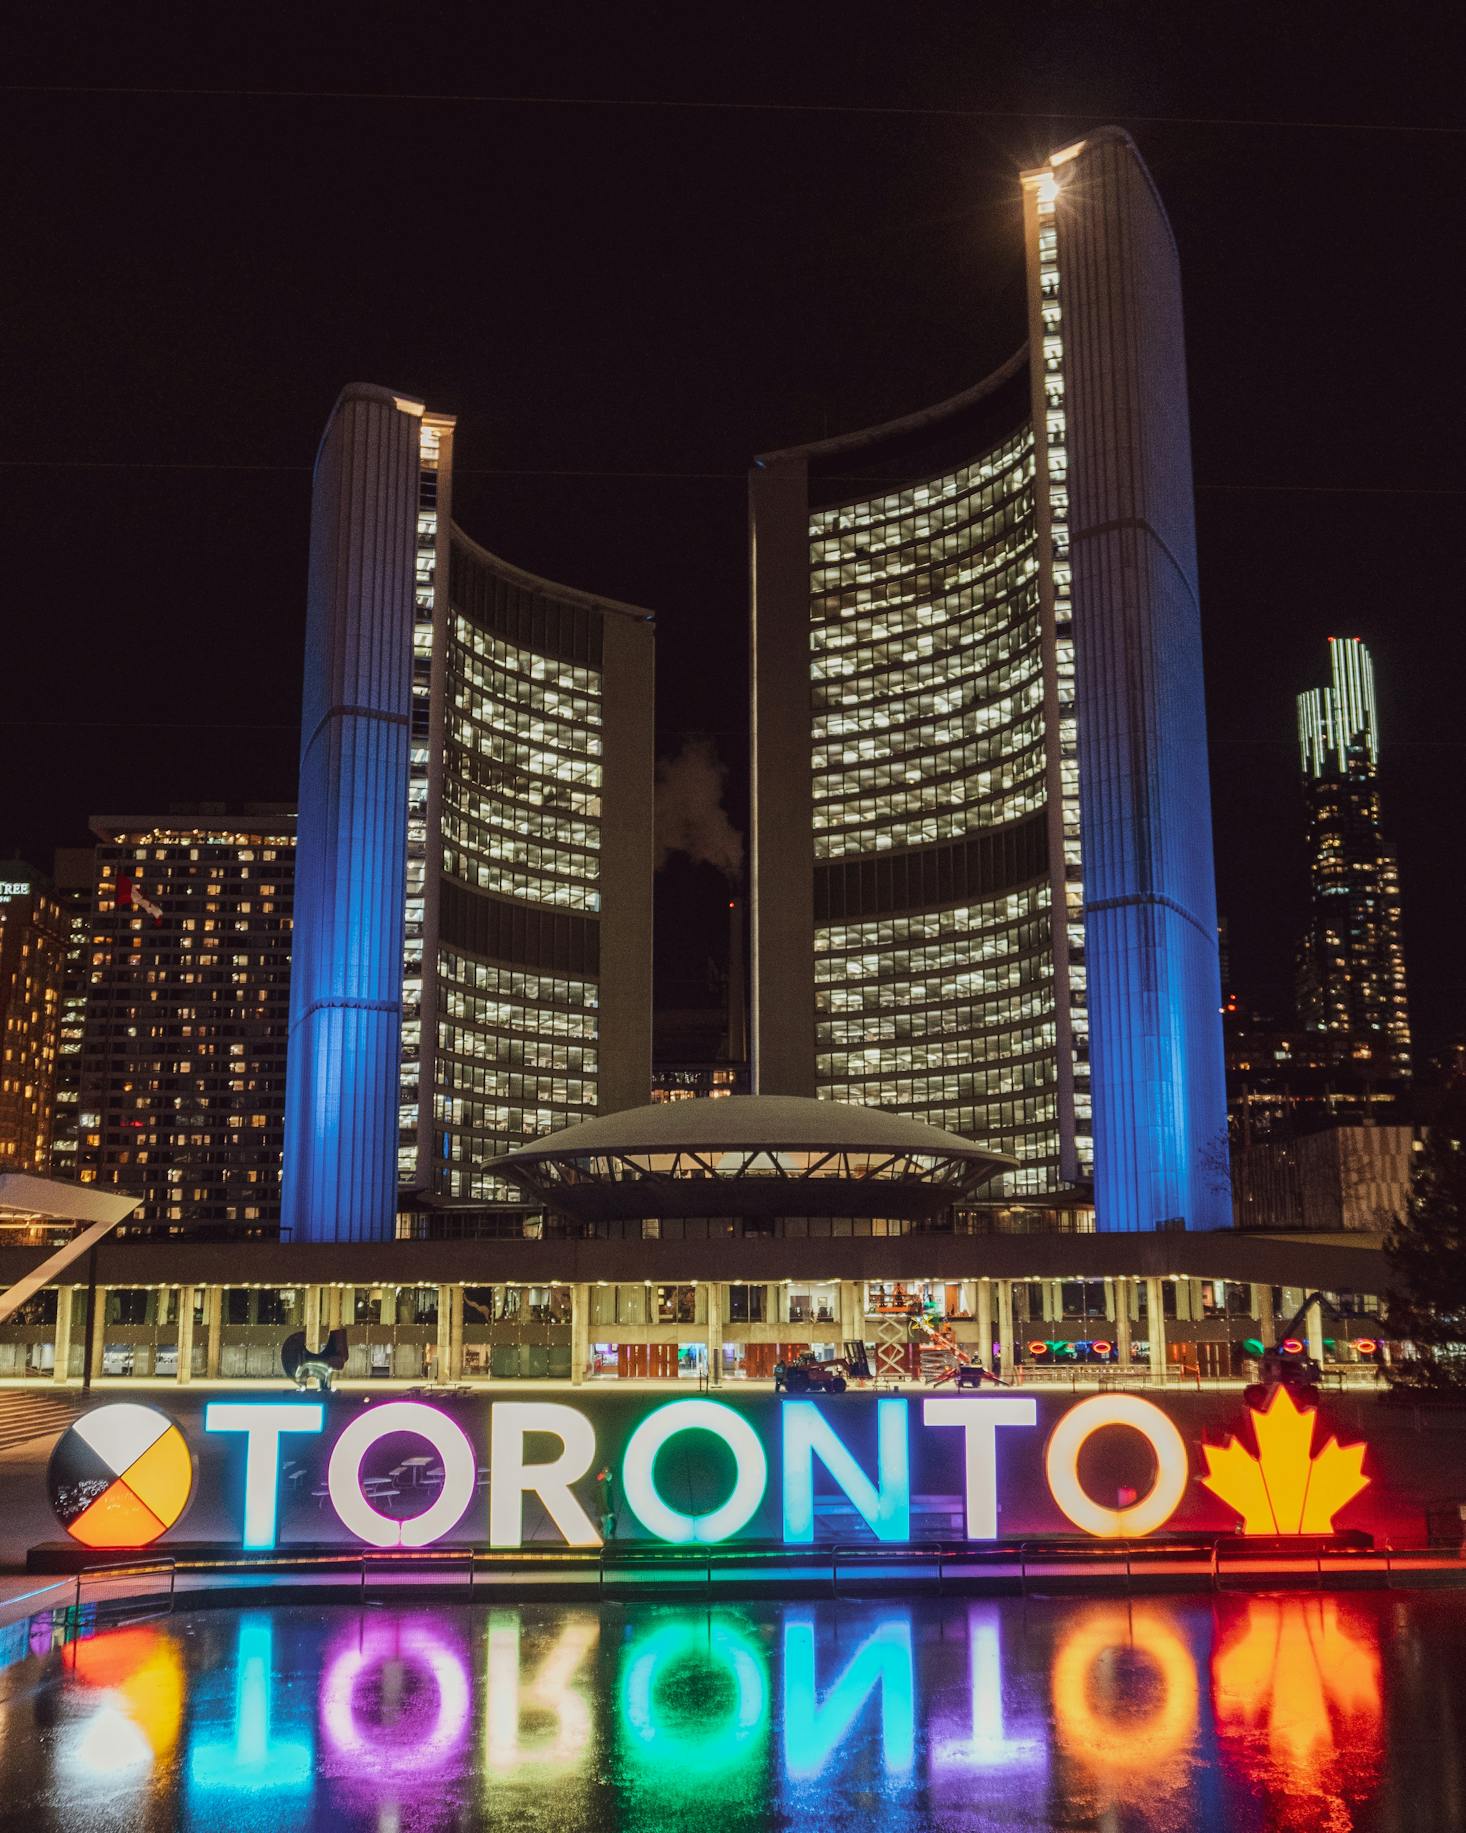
<point x="655" y="1430"/>
<point x="1061" y="1465"/>
<point x="343" y="1474"/>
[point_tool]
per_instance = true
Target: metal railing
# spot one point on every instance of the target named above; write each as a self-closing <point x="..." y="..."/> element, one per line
<point x="833" y="1568"/>
<point x="117" y="1578"/>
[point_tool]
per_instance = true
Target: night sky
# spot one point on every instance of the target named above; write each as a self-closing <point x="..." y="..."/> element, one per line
<point x="632" y="246"/>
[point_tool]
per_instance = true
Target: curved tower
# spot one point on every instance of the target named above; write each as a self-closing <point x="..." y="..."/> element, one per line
<point x="983" y="889"/>
<point x="472" y="958"/>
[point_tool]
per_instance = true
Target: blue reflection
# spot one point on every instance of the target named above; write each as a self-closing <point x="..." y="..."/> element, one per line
<point x="253" y="1758"/>
<point x="813" y="1731"/>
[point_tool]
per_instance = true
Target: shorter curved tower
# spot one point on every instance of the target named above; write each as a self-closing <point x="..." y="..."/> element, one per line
<point x="472" y="955"/>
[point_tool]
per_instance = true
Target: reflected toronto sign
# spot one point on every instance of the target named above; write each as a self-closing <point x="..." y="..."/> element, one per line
<point x="694" y="1471"/>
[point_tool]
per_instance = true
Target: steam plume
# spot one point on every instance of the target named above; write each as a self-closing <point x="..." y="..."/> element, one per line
<point x="690" y="817"/>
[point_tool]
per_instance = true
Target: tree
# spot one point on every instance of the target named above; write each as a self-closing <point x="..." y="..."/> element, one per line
<point x="1426" y="1253"/>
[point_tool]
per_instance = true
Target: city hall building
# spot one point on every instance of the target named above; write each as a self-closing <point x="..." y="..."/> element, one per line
<point x="982" y="863"/>
<point x="988" y="1098"/>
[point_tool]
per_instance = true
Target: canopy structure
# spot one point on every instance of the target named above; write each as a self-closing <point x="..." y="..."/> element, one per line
<point x="749" y="1155"/>
<point x="26" y="1200"/>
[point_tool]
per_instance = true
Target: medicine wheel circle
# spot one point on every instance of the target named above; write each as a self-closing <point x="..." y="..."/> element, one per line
<point x="120" y="1476"/>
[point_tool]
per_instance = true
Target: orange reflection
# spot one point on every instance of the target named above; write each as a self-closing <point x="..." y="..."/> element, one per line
<point x="139" y="1676"/>
<point x="1106" y="1718"/>
<point x="1292" y="1672"/>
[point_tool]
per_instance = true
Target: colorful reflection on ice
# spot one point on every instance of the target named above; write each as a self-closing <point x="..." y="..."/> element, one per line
<point x="132" y="1689"/>
<point x="1296" y="1687"/>
<point x="255" y="1753"/>
<point x="1233" y="1712"/>
<point x="395" y="1697"/>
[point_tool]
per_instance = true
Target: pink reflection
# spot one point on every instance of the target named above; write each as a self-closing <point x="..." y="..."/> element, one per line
<point x="395" y="1699"/>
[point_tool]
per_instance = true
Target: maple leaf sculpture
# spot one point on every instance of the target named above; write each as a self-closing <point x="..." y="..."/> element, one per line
<point x="1287" y="1488"/>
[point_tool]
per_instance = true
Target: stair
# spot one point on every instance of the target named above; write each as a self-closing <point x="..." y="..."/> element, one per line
<point x="25" y="1414"/>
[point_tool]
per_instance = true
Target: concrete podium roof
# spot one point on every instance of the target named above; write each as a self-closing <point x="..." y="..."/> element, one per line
<point x="748" y="1122"/>
<point x="749" y="1155"/>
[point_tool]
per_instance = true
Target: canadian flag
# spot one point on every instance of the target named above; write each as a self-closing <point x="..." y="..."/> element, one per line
<point x="130" y="898"/>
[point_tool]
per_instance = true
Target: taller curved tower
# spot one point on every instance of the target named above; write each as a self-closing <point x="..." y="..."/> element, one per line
<point x="982" y="866"/>
<point x="472" y="952"/>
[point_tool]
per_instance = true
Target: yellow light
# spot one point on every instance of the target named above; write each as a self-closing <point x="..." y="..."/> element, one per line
<point x="1287" y="1488"/>
<point x="1048" y="188"/>
<point x="1061" y="1466"/>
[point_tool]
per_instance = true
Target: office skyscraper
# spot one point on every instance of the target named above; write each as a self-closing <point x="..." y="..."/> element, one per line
<point x="31" y="966"/>
<point x="182" y="1074"/>
<point x="983" y="886"/>
<point x="473" y="919"/>
<point x="74" y="870"/>
<point x="1351" y="981"/>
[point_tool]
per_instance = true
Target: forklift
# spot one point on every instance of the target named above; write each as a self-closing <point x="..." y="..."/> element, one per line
<point x="806" y="1374"/>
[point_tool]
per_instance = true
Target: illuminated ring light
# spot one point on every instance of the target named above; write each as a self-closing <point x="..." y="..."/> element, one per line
<point x="639" y="1482"/>
<point x="120" y="1476"/>
<point x="1100" y="1347"/>
<point x="717" y="1744"/>
<point x="1038" y="1349"/>
<point x="1291" y="1346"/>
<point x="1112" y="1742"/>
<point x="343" y="1475"/>
<point x="418" y="1646"/>
<point x="1365" y="1345"/>
<point x="1061" y="1465"/>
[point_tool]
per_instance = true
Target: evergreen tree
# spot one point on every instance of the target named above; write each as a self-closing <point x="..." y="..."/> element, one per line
<point x="1426" y="1253"/>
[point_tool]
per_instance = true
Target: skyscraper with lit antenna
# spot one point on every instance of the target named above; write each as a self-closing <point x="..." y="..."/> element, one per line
<point x="1351" y="970"/>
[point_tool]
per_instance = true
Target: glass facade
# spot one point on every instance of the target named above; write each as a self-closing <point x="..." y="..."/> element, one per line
<point x="517" y="1057"/>
<point x="930" y="724"/>
<point x="926" y="659"/>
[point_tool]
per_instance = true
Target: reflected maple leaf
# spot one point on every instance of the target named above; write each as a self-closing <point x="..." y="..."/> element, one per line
<point x="1296" y="1669"/>
<point x="1287" y="1487"/>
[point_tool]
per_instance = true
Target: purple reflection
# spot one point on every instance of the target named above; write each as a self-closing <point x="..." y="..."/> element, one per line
<point x="395" y="1699"/>
<point x="981" y="1738"/>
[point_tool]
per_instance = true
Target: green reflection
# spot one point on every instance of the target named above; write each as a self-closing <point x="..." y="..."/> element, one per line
<point x="694" y="1701"/>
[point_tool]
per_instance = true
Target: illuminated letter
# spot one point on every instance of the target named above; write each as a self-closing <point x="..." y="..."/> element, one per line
<point x="980" y="1420"/>
<point x="343" y="1475"/>
<point x="812" y="1731"/>
<point x="1173" y="1467"/>
<point x="263" y="1422"/>
<point x="510" y="1477"/>
<point x="886" y="1504"/>
<point x="639" y="1481"/>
